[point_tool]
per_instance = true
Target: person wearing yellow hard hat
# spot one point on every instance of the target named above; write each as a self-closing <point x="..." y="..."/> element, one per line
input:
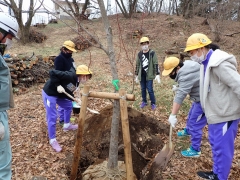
<point x="186" y="74"/>
<point x="64" y="62"/>
<point x="220" y="100"/>
<point x="53" y="95"/>
<point x="146" y="71"/>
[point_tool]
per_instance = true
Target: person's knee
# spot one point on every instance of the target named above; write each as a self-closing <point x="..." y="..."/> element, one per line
<point x="6" y="159"/>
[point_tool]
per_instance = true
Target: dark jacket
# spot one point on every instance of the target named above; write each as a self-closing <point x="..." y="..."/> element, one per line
<point x="63" y="78"/>
<point x="63" y="63"/>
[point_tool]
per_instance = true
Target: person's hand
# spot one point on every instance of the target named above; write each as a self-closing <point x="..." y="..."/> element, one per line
<point x="2" y="131"/>
<point x="79" y="102"/>
<point x="136" y="79"/>
<point x="60" y="89"/>
<point x="172" y="120"/>
<point x="76" y="92"/>
<point x="174" y="88"/>
<point x="158" y="79"/>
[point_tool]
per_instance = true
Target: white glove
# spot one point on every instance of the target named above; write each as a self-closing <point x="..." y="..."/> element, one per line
<point x="79" y="102"/>
<point x="172" y="120"/>
<point x="2" y="131"/>
<point x="174" y="88"/>
<point x="158" y="79"/>
<point x="136" y="79"/>
<point x="60" y="89"/>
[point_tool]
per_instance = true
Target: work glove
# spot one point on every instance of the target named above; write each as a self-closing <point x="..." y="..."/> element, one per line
<point x="158" y="79"/>
<point x="172" y="120"/>
<point x="136" y="79"/>
<point x="78" y="101"/>
<point x="2" y="131"/>
<point x="174" y="88"/>
<point x="60" y="89"/>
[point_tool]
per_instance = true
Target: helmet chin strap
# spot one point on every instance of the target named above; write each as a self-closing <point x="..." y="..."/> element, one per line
<point x="4" y="35"/>
<point x="3" y="46"/>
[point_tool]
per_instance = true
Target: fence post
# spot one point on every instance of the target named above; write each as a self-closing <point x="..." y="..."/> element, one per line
<point x="78" y="143"/>
<point x="126" y="135"/>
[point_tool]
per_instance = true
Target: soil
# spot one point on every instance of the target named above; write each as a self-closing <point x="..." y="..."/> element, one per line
<point x="146" y="141"/>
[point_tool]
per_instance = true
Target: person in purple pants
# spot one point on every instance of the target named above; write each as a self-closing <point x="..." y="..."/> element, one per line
<point x="220" y="100"/>
<point x="64" y="62"/>
<point x="186" y="74"/>
<point x="53" y="95"/>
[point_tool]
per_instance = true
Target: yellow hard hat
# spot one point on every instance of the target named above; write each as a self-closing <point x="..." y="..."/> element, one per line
<point x="83" y="70"/>
<point x="169" y="64"/>
<point x="144" y="39"/>
<point x="69" y="45"/>
<point x="196" y="41"/>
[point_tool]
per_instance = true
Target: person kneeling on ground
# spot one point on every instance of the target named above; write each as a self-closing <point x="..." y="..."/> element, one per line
<point x="187" y="75"/>
<point x="53" y="95"/>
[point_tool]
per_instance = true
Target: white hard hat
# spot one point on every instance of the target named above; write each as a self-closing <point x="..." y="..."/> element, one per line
<point x="9" y="24"/>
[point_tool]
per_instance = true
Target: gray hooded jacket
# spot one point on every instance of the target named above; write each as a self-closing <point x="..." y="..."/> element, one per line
<point x="188" y="82"/>
<point x="220" y="88"/>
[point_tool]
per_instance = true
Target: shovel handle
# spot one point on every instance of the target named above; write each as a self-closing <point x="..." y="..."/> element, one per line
<point x="69" y="96"/>
<point x="92" y="111"/>
<point x="170" y="136"/>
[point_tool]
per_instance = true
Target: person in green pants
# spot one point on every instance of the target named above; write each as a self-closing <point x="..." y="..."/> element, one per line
<point x="8" y="30"/>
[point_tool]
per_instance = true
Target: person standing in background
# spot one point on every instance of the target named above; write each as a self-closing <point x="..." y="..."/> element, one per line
<point x="64" y="62"/>
<point x="146" y="71"/>
<point x="8" y="30"/>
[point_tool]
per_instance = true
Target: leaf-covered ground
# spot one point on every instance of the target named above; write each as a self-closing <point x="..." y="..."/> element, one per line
<point x="32" y="154"/>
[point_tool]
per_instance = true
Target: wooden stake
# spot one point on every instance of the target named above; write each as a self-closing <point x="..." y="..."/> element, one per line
<point x="126" y="135"/>
<point x="106" y="95"/>
<point x="78" y="143"/>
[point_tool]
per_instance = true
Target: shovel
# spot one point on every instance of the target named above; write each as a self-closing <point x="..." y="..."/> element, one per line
<point x="90" y="110"/>
<point x="162" y="158"/>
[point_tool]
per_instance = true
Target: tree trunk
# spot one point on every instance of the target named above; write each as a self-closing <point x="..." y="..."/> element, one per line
<point x="132" y="7"/>
<point x="25" y="32"/>
<point x="123" y="9"/>
<point x="17" y="9"/>
<point x="113" y="151"/>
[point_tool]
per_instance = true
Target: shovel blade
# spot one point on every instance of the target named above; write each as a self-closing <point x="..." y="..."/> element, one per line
<point x="162" y="158"/>
<point x="93" y="111"/>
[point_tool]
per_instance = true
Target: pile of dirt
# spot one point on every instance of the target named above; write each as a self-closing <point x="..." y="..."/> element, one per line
<point x="147" y="136"/>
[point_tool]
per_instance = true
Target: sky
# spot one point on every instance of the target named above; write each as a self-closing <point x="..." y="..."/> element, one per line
<point x="39" y="17"/>
<point x="48" y="4"/>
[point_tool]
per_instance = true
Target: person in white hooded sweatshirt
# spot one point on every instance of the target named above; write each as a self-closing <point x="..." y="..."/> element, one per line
<point x="220" y="100"/>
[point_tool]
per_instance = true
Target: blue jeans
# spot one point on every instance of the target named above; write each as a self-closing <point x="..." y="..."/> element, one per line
<point x="147" y="85"/>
